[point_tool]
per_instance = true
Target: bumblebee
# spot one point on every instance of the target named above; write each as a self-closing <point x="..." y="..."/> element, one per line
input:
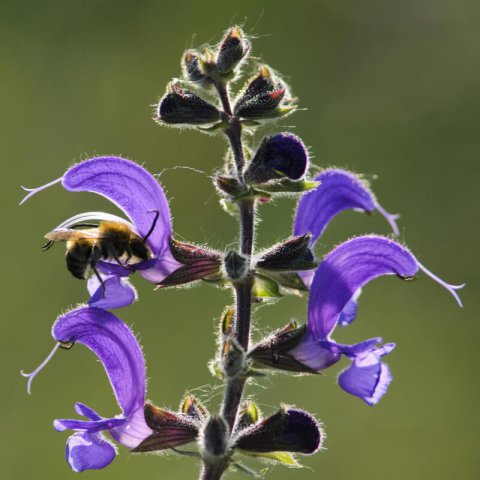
<point x="109" y="240"/>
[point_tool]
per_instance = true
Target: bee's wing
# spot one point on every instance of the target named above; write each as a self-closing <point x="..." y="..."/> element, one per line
<point x="65" y="234"/>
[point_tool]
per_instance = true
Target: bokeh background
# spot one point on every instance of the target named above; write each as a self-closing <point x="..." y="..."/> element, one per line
<point x="388" y="88"/>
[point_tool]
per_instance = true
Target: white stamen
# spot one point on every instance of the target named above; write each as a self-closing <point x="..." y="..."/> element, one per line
<point x="33" y="374"/>
<point x="33" y="191"/>
<point x="448" y="286"/>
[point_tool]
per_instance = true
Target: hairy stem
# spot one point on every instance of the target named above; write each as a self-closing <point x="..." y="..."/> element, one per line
<point x="243" y="287"/>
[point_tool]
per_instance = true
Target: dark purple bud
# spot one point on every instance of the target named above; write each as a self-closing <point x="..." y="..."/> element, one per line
<point x="199" y="264"/>
<point x="279" y="156"/>
<point x="170" y="430"/>
<point x="235" y="265"/>
<point x="214" y="439"/>
<point x="201" y="270"/>
<point x="232" y="50"/>
<point x="292" y="255"/>
<point x="192" y="408"/>
<point x="191" y="67"/>
<point x="181" y="106"/>
<point x="274" y="351"/>
<point x="189" y="253"/>
<point x="264" y="97"/>
<point x="289" y="430"/>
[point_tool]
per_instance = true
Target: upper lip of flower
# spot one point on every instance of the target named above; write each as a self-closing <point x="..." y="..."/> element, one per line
<point x="118" y="350"/>
<point x="341" y="190"/>
<point x="137" y="193"/>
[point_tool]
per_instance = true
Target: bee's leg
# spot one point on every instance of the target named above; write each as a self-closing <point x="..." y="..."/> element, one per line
<point x="94" y="258"/>
<point x="123" y="265"/>
<point x="157" y="214"/>
<point x="100" y="279"/>
<point x="129" y="253"/>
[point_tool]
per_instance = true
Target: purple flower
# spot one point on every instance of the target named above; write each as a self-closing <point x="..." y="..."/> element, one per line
<point x="309" y="349"/>
<point x="138" y="194"/>
<point x="118" y="350"/>
<point x="343" y="272"/>
<point x="340" y="190"/>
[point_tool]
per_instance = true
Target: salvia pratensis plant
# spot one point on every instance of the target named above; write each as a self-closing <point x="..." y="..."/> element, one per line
<point x="106" y="249"/>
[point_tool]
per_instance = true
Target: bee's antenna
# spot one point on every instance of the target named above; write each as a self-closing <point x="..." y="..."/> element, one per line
<point x="157" y="214"/>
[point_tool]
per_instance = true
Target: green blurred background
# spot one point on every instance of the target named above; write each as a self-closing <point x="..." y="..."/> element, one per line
<point x="389" y="88"/>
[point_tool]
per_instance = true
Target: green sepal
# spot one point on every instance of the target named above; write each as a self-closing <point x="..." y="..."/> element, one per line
<point x="265" y="289"/>
<point x="288" y="280"/>
<point x="284" y="458"/>
<point x="287" y="186"/>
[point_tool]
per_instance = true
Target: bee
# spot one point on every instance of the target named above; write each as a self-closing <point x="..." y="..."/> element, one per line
<point x="110" y="239"/>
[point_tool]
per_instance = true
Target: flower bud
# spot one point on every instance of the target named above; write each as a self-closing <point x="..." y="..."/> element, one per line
<point x="264" y="97"/>
<point x="232" y="50"/>
<point x="279" y="156"/>
<point x="199" y="264"/>
<point x="181" y="106"/>
<point x="289" y="430"/>
<point x="214" y="440"/>
<point x="233" y="359"/>
<point x="191" y="67"/>
<point x="228" y="321"/>
<point x="235" y="265"/>
<point x="170" y="430"/>
<point x="274" y="351"/>
<point x="249" y="415"/>
<point x="229" y="185"/>
<point x="191" y="407"/>
<point x="292" y="255"/>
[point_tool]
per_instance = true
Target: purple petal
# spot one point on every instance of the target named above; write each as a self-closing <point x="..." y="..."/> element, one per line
<point x="129" y="186"/>
<point x="134" y="431"/>
<point x="118" y="292"/>
<point x="86" y="411"/>
<point x="162" y="268"/>
<point x="339" y="190"/>
<point x="115" y="345"/>
<point x="315" y="354"/>
<point x="86" y="451"/>
<point x="87" y="425"/>
<point x="367" y="377"/>
<point x="346" y="269"/>
<point x="349" y="313"/>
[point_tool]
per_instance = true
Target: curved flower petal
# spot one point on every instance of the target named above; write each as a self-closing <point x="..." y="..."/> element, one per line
<point x="89" y="451"/>
<point x="315" y="354"/>
<point x="131" y="188"/>
<point x="339" y="190"/>
<point x="367" y="377"/>
<point x="114" y="344"/>
<point x="132" y="433"/>
<point x="346" y="269"/>
<point x="349" y="312"/>
<point x="119" y="292"/>
<point x="91" y="426"/>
